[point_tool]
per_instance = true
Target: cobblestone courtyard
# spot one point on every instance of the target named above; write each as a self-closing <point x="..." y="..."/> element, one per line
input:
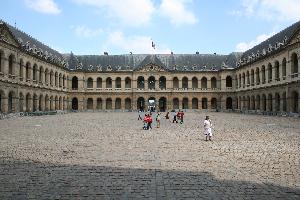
<point x="109" y="156"/>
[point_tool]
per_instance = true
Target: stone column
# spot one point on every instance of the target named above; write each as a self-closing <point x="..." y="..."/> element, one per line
<point x="169" y="84"/>
<point x="190" y="104"/>
<point x="113" y="84"/>
<point x="122" y="104"/>
<point x="4" y="104"/>
<point x="122" y="84"/>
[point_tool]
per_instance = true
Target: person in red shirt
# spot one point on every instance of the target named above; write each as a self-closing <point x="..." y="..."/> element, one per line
<point x="181" y="113"/>
<point x="149" y="121"/>
<point x="145" y="122"/>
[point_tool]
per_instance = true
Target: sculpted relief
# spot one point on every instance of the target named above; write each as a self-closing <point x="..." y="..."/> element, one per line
<point x="152" y="68"/>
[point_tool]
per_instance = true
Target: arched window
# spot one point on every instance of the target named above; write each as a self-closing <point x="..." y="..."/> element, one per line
<point x="276" y="68"/>
<point x="248" y="78"/>
<point x="151" y="83"/>
<point x="229" y="103"/>
<point x="257" y="76"/>
<point x="46" y="76"/>
<point x="128" y="104"/>
<point x="263" y="74"/>
<point x="11" y="64"/>
<point x="27" y="71"/>
<point x="108" y="104"/>
<point x="228" y="82"/>
<point x="99" y="103"/>
<point x="194" y="103"/>
<point x="118" y="103"/>
<point x="99" y="82"/>
<point x="11" y="97"/>
<point x="204" y="103"/>
<point x="41" y="74"/>
<point x="214" y="103"/>
<point x="118" y="82"/>
<point x="74" y="84"/>
<point x="140" y="103"/>
<point x="162" y="83"/>
<point x="185" y="83"/>
<point x="75" y="103"/>
<point x="21" y="72"/>
<point x="34" y="72"/>
<point x="185" y="103"/>
<point x="89" y="83"/>
<point x="252" y="77"/>
<point x="175" y="83"/>
<point x="127" y="83"/>
<point x="89" y="104"/>
<point x="294" y="61"/>
<point x="175" y="103"/>
<point x="51" y="78"/>
<point x="141" y="83"/>
<point x="194" y="82"/>
<point x="204" y="83"/>
<point x="56" y="79"/>
<point x="270" y="72"/>
<point x="284" y="68"/>
<point x="108" y="82"/>
<point x="60" y="80"/>
<point x="213" y="82"/>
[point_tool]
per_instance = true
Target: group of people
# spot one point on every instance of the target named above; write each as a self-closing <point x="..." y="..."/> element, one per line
<point x="147" y="120"/>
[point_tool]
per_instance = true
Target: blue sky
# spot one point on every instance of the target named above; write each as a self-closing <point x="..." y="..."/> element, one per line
<point x="123" y="26"/>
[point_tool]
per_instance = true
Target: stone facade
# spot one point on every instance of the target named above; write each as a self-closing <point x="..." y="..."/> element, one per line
<point x="30" y="82"/>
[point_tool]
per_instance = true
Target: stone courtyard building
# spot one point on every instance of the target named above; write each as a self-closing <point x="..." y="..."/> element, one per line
<point x="264" y="79"/>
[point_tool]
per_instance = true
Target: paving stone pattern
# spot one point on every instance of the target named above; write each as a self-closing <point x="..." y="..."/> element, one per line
<point x="109" y="156"/>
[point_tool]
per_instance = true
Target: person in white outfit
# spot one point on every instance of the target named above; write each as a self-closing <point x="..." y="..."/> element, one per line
<point x="207" y="128"/>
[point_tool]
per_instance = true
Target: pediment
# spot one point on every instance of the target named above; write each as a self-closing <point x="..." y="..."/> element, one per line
<point x="151" y="68"/>
<point x="6" y="36"/>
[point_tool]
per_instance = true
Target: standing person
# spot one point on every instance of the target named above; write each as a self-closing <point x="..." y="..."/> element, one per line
<point x="181" y="113"/>
<point x="174" y="116"/>
<point x="207" y="128"/>
<point x="140" y="117"/>
<point x="158" y="120"/>
<point x="149" y="120"/>
<point x="145" y="127"/>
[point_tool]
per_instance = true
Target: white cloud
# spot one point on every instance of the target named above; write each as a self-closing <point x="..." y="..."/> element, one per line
<point x="177" y="12"/>
<point x="132" y="12"/>
<point x="135" y="44"/>
<point x="83" y="31"/>
<point x="244" y="46"/>
<point x="270" y="9"/>
<point x="43" y="6"/>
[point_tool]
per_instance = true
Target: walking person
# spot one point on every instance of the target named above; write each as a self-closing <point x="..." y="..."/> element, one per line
<point x="207" y="128"/>
<point x="158" y="120"/>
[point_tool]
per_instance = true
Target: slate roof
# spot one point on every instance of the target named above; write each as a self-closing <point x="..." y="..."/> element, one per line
<point x="34" y="46"/>
<point x="177" y="62"/>
<point x="271" y="45"/>
<point x="171" y="62"/>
